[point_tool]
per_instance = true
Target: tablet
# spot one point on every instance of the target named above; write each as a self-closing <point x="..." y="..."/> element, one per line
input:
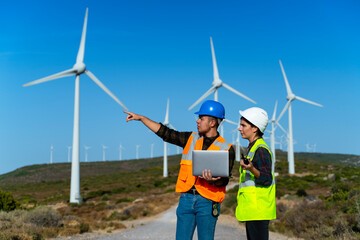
<point x="215" y="161"/>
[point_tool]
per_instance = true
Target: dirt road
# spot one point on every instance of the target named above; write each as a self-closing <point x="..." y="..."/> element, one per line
<point x="163" y="227"/>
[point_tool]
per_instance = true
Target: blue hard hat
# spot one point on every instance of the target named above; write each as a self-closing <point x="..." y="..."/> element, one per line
<point x="212" y="108"/>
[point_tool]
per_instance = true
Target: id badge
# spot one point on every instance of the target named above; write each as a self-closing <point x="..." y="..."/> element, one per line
<point x="215" y="209"/>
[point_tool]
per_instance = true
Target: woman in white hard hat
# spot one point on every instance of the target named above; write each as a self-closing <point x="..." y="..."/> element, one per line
<point x="256" y="196"/>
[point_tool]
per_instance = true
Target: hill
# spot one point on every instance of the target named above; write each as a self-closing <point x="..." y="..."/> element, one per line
<point x="114" y="191"/>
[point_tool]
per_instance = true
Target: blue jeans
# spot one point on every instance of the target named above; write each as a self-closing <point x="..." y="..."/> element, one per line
<point x="192" y="211"/>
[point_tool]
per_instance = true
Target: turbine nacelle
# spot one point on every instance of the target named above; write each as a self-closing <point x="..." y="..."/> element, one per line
<point x="217" y="83"/>
<point x="79" y="68"/>
<point x="291" y="97"/>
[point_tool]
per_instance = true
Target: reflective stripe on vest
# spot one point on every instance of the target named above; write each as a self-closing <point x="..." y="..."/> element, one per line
<point x="247" y="179"/>
<point x="186" y="180"/>
<point x="255" y="202"/>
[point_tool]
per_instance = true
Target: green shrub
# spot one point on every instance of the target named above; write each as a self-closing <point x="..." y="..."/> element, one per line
<point x="340" y="187"/>
<point x="43" y="217"/>
<point x="7" y="202"/>
<point x="105" y="197"/>
<point x="121" y="200"/>
<point x="301" y="192"/>
<point x="84" y="227"/>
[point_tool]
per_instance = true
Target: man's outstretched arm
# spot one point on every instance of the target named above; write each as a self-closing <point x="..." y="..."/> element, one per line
<point x="153" y="126"/>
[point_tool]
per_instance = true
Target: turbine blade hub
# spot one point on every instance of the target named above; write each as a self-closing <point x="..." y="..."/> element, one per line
<point x="217" y="83"/>
<point x="291" y="97"/>
<point x="79" y="68"/>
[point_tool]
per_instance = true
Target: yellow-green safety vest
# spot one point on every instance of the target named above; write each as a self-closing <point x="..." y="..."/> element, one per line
<point x="255" y="202"/>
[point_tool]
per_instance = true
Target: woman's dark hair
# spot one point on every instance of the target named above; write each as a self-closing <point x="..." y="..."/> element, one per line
<point x="258" y="132"/>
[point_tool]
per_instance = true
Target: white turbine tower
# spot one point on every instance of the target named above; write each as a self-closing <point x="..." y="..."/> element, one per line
<point x="166" y="123"/>
<point x="272" y="137"/>
<point x="69" y="151"/>
<point x="152" y="150"/>
<point x="120" y="151"/>
<point x="274" y="125"/>
<point x="217" y="83"/>
<point x="51" y="154"/>
<point x="78" y="69"/>
<point x="291" y="97"/>
<point x="103" y="150"/>
<point x="86" y="152"/>
<point x="237" y="143"/>
<point x="137" y="151"/>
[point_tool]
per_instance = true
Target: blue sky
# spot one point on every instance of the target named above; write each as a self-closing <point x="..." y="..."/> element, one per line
<point x="148" y="51"/>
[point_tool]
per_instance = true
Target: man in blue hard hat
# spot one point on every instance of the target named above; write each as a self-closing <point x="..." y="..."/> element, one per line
<point x="200" y="197"/>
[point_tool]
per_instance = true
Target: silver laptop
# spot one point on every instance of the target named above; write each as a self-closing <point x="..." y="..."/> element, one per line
<point x="215" y="161"/>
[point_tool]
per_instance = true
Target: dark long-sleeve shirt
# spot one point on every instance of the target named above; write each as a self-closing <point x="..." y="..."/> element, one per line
<point x="262" y="162"/>
<point x="180" y="139"/>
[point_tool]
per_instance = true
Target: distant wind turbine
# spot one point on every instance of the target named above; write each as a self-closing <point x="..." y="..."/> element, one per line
<point x="51" y="154"/>
<point x="274" y="125"/>
<point x="217" y="83"/>
<point x="137" y="151"/>
<point x="86" y="152"/>
<point x="237" y="141"/>
<point x="152" y="150"/>
<point x="69" y="151"/>
<point x="291" y="97"/>
<point x="103" y="150"/>
<point x="166" y="123"/>
<point x="120" y="151"/>
<point x="78" y="69"/>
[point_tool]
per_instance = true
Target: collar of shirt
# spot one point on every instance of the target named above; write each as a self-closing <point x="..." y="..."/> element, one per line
<point x="208" y="141"/>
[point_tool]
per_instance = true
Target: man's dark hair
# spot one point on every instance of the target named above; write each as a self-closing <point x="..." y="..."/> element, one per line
<point x="217" y="120"/>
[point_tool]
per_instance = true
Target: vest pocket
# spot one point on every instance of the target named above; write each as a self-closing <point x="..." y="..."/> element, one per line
<point x="185" y="170"/>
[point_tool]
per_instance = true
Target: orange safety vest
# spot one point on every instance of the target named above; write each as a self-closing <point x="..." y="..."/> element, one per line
<point x="186" y="180"/>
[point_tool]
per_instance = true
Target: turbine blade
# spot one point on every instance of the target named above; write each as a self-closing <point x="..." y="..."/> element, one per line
<point x="215" y="68"/>
<point x="167" y="112"/>
<point x="102" y="86"/>
<point x="238" y="93"/>
<point x="81" y="52"/>
<point x="65" y="73"/>
<point x="308" y="101"/>
<point x="229" y="121"/>
<point x="288" y="89"/>
<point x="202" y="97"/>
<point x="281" y="127"/>
<point x="283" y="111"/>
<point x="274" y="114"/>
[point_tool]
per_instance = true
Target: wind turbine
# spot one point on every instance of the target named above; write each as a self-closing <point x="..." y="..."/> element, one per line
<point x="217" y="83"/>
<point x="274" y="125"/>
<point x="51" y="154"/>
<point x="152" y="150"/>
<point x="120" y="151"/>
<point x="78" y="69"/>
<point x="103" y="150"/>
<point x="291" y="97"/>
<point x="137" y="151"/>
<point x="237" y="143"/>
<point x="86" y="149"/>
<point x="69" y="150"/>
<point x="166" y="123"/>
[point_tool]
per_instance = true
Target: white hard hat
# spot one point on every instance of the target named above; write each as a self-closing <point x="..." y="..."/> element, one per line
<point x="256" y="116"/>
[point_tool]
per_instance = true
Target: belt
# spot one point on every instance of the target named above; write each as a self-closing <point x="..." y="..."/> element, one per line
<point x="193" y="191"/>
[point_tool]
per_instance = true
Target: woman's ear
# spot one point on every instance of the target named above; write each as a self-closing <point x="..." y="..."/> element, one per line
<point x="254" y="129"/>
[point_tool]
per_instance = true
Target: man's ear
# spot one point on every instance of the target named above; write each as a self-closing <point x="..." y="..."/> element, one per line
<point x="213" y="122"/>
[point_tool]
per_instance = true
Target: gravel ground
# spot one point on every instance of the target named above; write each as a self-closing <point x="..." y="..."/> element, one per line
<point x="163" y="227"/>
